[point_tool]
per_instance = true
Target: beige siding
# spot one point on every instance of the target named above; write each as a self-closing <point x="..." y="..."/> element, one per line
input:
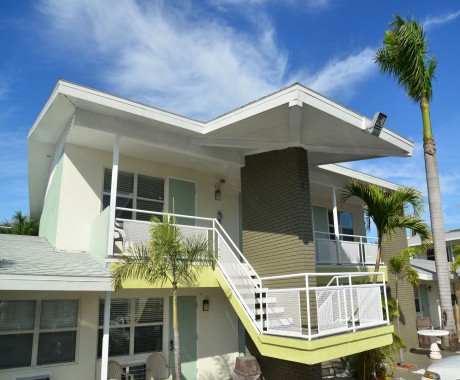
<point x="406" y="292"/>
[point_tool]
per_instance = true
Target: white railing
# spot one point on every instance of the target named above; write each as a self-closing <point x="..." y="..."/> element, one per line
<point x="349" y="249"/>
<point x="348" y="302"/>
<point x="307" y="305"/>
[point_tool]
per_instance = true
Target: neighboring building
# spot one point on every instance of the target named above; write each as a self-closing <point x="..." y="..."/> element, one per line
<point x="261" y="178"/>
<point x="427" y="294"/>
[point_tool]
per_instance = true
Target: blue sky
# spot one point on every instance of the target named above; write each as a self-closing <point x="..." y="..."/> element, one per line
<point x="203" y="58"/>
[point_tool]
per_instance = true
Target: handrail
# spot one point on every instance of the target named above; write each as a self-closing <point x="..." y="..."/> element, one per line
<point x="347" y="235"/>
<point x="236" y="249"/>
<point x="280" y="312"/>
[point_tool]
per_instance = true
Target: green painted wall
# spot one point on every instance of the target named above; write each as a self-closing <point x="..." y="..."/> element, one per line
<point x="187" y="318"/>
<point x="50" y="212"/>
<point x="99" y="236"/>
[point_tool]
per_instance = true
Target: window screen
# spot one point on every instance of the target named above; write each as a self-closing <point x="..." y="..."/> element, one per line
<point x="54" y="332"/>
<point x="136" y="323"/>
<point x="134" y="192"/>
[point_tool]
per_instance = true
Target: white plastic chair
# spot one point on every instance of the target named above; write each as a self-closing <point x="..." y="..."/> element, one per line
<point x="115" y="371"/>
<point x="156" y="368"/>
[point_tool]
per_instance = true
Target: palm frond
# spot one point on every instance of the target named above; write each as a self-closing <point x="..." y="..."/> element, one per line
<point x="405" y="58"/>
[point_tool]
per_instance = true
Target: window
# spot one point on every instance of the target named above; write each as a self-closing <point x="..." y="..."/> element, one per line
<point x="134" y="191"/>
<point x="136" y="326"/>
<point x="345" y="225"/>
<point x="54" y="332"/>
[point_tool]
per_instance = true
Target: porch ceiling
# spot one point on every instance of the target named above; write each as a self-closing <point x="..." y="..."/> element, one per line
<point x="292" y="117"/>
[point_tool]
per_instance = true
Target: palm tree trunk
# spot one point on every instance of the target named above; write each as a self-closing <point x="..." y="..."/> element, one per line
<point x="176" y="337"/>
<point x="377" y="259"/>
<point x="398" y="326"/>
<point x="437" y="226"/>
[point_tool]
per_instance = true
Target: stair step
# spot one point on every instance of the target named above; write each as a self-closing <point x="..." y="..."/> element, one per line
<point x="273" y="310"/>
<point x="284" y="322"/>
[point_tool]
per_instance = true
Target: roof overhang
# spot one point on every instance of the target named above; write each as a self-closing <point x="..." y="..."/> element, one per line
<point x="292" y="117"/>
<point x="54" y="283"/>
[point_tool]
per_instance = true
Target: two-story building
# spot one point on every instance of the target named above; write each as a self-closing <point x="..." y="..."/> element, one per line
<point x="260" y="182"/>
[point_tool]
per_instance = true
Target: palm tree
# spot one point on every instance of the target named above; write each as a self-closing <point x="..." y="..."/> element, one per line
<point x="389" y="211"/>
<point x="404" y="57"/>
<point x="20" y="225"/>
<point x="169" y="258"/>
<point x="399" y="266"/>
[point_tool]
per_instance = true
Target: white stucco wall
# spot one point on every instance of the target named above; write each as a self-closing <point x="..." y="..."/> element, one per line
<point x="217" y="330"/>
<point x="84" y="366"/>
<point x="81" y="193"/>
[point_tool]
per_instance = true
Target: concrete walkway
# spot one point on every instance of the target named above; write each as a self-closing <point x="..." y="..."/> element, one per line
<point x="418" y="358"/>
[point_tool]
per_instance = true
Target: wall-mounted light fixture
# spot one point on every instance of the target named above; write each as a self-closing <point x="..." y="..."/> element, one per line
<point x="377" y="124"/>
<point x="205" y="305"/>
<point x="219" y="216"/>
<point x="217" y="192"/>
<point x="429" y="288"/>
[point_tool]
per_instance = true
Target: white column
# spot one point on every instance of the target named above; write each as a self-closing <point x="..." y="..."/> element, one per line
<point x="113" y="193"/>
<point x="105" y="336"/>
<point x="335" y="216"/>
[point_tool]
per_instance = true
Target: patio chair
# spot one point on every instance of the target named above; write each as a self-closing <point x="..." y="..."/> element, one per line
<point x="156" y="368"/>
<point x="115" y="371"/>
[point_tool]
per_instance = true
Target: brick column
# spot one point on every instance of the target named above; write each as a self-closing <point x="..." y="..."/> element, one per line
<point x="277" y="217"/>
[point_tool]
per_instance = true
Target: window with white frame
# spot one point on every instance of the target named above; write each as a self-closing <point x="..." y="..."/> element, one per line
<point x="48" y="325"/>
<point x="134" y="191"/>
<point x="345" y="224"/>
<point x="323" y="220"/>
<point x="136" y="326"/>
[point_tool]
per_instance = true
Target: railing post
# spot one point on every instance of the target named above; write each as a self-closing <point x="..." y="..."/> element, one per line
<point x="105" y="335"/>
<point x="335" y="215"/>
<point x="386" y="299"/>
<point x="262" y="308"/>
<point x="307" y="289"/>
<point x="113" y="194"/>
<point x="350" y="284"/>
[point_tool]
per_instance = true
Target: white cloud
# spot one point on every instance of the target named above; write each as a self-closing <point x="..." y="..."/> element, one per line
<point x="172" y="59"/>
<point x="429" y="22"/>
<point x="341" y="75"/>
<point x="182" y="59"/>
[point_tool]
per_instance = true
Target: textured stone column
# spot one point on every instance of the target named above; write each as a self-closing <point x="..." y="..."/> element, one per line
<point x="277" y="216"/>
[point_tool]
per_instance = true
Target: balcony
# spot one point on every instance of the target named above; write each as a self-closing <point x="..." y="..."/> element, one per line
<point x="301" y="305"/>
<point x="347" y="250"/>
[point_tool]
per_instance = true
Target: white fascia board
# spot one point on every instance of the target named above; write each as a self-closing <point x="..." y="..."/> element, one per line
<point x="277" y="99"/>
<point x="361" y="176"/>
<point x="55" y="283"/>
<point x="326" y="105"/>
<point x="424" y="276"/>
<point x="397" y="140"/>
<point x="46" y="107"/>
<point x="125" y="105"/>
